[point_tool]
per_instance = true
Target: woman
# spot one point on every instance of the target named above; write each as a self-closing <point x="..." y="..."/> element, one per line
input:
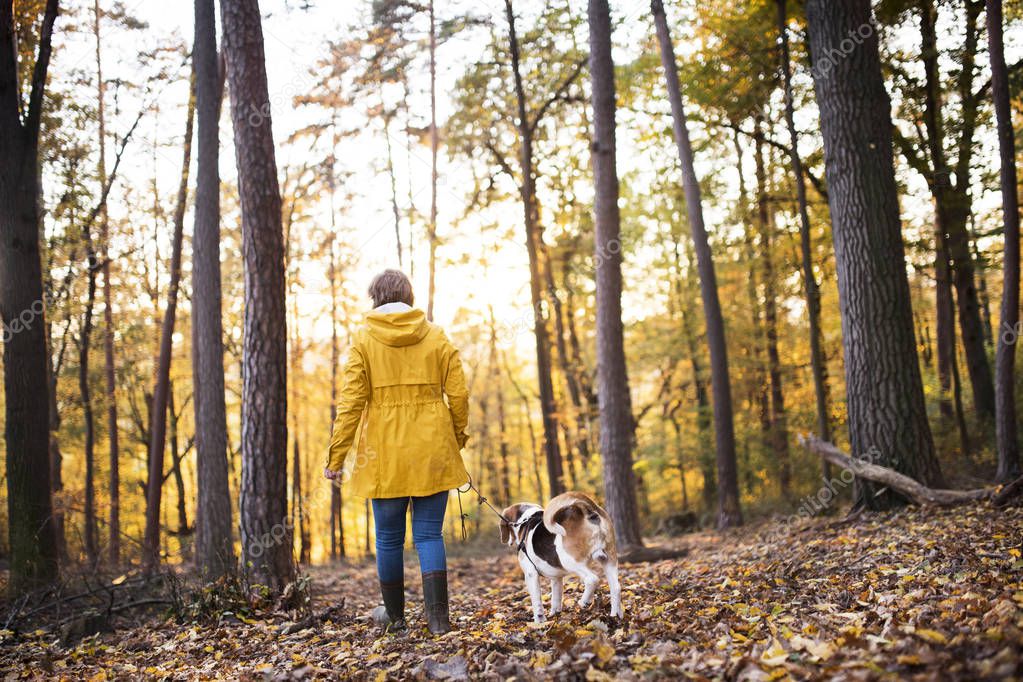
<point x="400" y="368"/>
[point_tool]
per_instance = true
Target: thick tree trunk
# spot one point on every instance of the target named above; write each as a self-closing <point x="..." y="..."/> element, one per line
<point x="729" y="513"/>
<point x="811" y="288"/>
<point x="779" y="433"/>
<point x="527" y="190"/>
<point x="887" y="416"/>
<point x="1006" y="437"/>
<point x="33" y="547"/>
<point x="616" y="419"/>
<point x="162" y="386"/>
<point x="213" y="541"/>
<point x="266" y="542"/>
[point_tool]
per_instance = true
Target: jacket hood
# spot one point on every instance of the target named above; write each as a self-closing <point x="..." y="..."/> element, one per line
<point x="403" y="328"/>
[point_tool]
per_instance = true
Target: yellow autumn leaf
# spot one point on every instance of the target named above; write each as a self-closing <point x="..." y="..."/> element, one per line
<point x="540" y="659"/>
<point x="603" y="650"/>
<point x="594" y="675"/>
<point x="932" y="636"/>
<point x="775" y="655"/>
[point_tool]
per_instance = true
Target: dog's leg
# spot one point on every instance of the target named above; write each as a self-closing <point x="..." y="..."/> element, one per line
<point x="611" y="573"/>
<point x="557" y="590"/>
<point x="533" y="585"/>
<point x="590" y="580"/>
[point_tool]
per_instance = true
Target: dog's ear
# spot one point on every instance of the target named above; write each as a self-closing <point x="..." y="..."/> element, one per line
<point x="506" y="532"/>
<point x="509" y="516"/>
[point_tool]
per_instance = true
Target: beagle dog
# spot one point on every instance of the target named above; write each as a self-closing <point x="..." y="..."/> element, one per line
<point x="572" y="536"/>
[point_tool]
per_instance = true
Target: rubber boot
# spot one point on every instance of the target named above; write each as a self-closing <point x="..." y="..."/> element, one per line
<point x="391" y="616"/>
<point x="435" y="598"/>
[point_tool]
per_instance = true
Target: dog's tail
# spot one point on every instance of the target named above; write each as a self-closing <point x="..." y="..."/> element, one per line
<point x="569" y="508"/>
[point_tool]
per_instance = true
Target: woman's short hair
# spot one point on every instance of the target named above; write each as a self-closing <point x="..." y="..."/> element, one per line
<point x="390" y="286"/>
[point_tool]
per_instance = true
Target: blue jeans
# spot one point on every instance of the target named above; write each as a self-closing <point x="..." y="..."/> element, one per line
<point x="427" y="526"/>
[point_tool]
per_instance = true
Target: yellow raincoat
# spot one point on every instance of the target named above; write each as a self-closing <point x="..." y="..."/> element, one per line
<point x="400" y="368"/>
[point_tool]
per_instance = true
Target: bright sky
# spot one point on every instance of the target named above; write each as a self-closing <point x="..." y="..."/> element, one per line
<point x="294" y="41"/>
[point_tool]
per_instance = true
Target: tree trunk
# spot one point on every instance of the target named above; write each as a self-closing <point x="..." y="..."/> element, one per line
<point x="214" y="543"/>
<point x="616" y="420"/>
<point x="298" y="511"/>
<point x="264" y="507"/>
<point x="779" y="435"/>
<point x="179" y="480"/>
<point x="33" y="545"/>
<point x="759" y="385"/>
<point x="1009" y="328"/>
<point x="811" y="288"/>
<point x="84" y="345"/>
<point x="114" y="548"/>
<point x="434" y="143"/>
<point x="496" y="385"/>
<point x="887" y="416"/>
<point x="395" y="210"/>
<point x="337" y="531"/>
<point x="703" y="412"/>
<point x="587" y="398"/>
<point x="944" y="320"/>
<point x="947" y="349"/>
<point x="529" y="424"/>
<point x="729" y="513"/>
<point x="952" y="202"/>
<point x="532" y="223"/>
<point x="161" y="387"/>
<point x="578" y="438"/>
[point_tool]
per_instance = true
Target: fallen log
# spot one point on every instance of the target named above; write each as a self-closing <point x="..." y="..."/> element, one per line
<point x="1008" y="492"/>
<point x="913" y="490"/>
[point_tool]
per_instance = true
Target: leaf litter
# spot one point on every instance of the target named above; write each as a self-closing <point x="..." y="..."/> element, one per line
<point x="913" y="594"/>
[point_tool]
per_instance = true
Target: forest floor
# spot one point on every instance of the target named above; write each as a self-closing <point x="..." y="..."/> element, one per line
<point x="915" y="594"/>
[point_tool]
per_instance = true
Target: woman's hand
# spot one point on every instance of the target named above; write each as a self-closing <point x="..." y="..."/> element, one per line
<point x="331" y="475"/>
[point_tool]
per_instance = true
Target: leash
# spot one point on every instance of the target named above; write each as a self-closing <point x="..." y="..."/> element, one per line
<point x="482" y="499"/>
